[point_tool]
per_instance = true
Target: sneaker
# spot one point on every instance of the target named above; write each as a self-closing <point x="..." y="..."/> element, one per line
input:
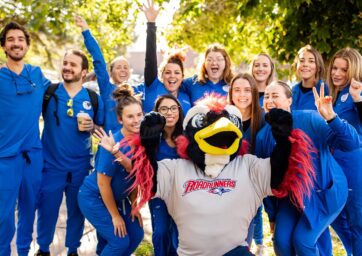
<point x="40" y="253"/>
<point x="260" y="250"/>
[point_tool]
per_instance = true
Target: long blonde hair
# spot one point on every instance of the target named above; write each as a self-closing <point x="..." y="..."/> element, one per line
<point x="272" y="75"/>
<point x="354" y="61"/>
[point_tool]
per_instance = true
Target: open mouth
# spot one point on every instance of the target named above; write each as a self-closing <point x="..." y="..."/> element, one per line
<point x="222" y="140"/>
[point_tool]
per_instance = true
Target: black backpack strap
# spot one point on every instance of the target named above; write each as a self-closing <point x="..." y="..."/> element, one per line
<point x="49" y="93"/>
<point x="94" y="101"/>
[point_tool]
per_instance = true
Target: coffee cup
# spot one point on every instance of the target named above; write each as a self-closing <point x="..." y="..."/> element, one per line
<point x="82" y="118"/>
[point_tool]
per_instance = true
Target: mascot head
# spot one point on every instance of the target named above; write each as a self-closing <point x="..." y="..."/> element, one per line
<point x="213" y="132"/>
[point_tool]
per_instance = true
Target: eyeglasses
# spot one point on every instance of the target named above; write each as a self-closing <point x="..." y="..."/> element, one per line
<point x="23" y="84"/>
<point x="164" y="110"/>
<point x="70" y="111"/>
<point x="217" y="60"/>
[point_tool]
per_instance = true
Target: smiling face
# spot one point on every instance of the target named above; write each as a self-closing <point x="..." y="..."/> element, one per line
<point x="262" y="69"/>
<point x="215" y="66"/>
<point x="172" y="77"/>
<point x="339" y="73"/>
<point x="170" y="110"/>
<point x="132" y="116"/>
<point x="120" y="71"/>
<point x="241" y="94"/>
<point x="306" y="66"/>
<point x="276" y="97"/>
<point x="72" y="69"/>
<point x="15" y="45"/>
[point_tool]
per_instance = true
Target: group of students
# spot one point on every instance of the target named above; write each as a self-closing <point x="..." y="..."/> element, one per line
<point x="35" y="173"/>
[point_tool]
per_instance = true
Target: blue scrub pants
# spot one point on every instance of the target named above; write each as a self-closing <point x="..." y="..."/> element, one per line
<point x="342" y="228"/>
<point x="256" y="228"/>
<point x="20" y="178"/>
<point x="95" y="211"/>
<point x="353" y="210"/>
<point x="293" y="234"/>
<point x="164" y="235"/>
<point x="54" y="184"/>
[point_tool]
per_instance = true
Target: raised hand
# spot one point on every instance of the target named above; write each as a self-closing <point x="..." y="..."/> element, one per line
<point x="281" y="123"/>
<point x="105" y="141"/>
<point x="355" y="90"/>
<point x="80" y="22"/>
<point x="324" y="104"/>
<point x="150" y="11"/>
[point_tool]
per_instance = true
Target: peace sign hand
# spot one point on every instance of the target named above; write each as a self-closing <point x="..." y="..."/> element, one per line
<point x="324" y="104"/>
<point x="355" y="90"/>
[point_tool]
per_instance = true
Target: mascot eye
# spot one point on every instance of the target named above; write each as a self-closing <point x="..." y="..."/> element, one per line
<point x="235" y="120"/>
<point x="198" y="120"/>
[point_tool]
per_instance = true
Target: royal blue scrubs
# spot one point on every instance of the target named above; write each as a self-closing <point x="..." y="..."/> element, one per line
<point x="106" y="88"/>
<point x="94" y="209"/>
<point x="298" y="233"/>
<point x="196" y="90"/>
<point x="21" y="160"/>
<point x="351" y="163"/>
<point x="67" y="161"/>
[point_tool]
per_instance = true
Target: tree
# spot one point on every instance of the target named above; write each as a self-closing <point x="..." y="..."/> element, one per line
<point x="52" y="28"/>
<point x="279" y="27"/>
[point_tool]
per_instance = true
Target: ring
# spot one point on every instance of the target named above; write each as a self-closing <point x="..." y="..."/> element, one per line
<point x="80" y="122"/>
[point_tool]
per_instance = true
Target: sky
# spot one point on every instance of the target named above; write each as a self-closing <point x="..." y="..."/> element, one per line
<point x="163" y="20"/>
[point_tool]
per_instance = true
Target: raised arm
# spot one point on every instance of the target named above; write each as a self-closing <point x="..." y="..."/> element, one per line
<point x="100" y="66"/>
<point x="338" y="134"/>
<point x="151" y="14"/>
<point x="292" y="171"/>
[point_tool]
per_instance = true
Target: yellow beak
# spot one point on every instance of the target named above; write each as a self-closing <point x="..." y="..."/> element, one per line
<point x="220" y="126"/>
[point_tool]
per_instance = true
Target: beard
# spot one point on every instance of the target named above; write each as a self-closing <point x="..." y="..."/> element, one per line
<point x="15" y="57"/>
<point x="75" y="78"/>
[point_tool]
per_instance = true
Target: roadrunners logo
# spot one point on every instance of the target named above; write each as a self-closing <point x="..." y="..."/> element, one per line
<point x="218" y="187"/>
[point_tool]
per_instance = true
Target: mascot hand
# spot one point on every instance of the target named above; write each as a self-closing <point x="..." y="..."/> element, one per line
<point x="281" y="123"/>
<point x="151" y="129"/>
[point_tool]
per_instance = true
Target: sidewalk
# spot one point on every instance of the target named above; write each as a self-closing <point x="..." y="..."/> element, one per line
<point x="89" y="239"/>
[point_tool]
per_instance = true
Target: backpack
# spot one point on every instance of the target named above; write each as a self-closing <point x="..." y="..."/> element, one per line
<point x="50" y="92"/>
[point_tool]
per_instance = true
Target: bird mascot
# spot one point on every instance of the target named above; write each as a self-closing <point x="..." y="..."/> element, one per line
<point x="212" y="192"/>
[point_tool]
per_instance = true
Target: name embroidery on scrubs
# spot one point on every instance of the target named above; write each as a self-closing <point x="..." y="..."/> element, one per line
<point x="344" y="97"/>
<point x="217" y="187"/>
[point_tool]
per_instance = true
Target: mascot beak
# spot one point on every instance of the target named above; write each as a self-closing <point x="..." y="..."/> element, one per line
<point x="220" y="138"/>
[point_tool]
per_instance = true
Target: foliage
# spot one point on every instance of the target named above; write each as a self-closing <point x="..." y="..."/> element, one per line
<point x="51" y="24"/>
<point x="248" y="27"/>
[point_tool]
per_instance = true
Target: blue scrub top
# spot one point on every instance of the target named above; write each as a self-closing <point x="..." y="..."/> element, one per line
<point x="157" y="88"/>
<point x="65" y="147"/>
<point x="197" y="90"/>
<point x="166" y="152"/>
<point x="21" y="98"/>
<point x="106" y="88"/>
<point x="350" y="162"/>
<point x="105" y="164"/>
<point x="305" y="100"/>
<point x="330" y="185"/>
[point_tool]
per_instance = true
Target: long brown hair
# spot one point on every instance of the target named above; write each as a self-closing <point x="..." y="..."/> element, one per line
<point x="318" y="62"/>
<point x="227" y="74"/>
<point x="354" y="61"/>
<point x="256" y="113"/>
